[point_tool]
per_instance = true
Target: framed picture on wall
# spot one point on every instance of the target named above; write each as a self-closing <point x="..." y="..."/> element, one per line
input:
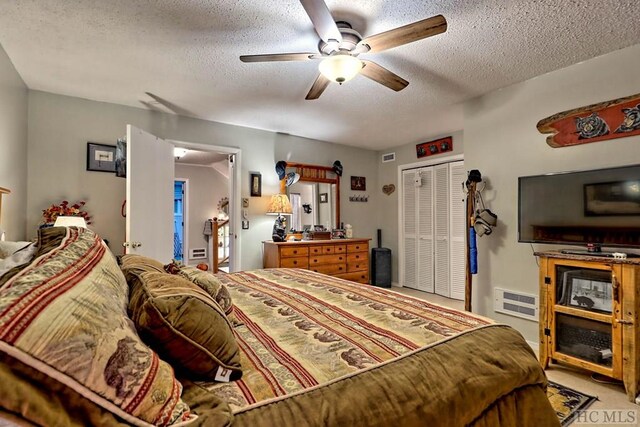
<point x="256" y="184"/>
<point x="101" y="157"/>
<point x="358" y="183"/>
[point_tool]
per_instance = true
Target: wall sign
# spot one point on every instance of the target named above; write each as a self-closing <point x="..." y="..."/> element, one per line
<point x="598" y="122"/>
<point x="437" y="146"/>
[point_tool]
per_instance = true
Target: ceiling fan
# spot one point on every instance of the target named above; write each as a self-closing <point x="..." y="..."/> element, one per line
<point x="340" y="46"/>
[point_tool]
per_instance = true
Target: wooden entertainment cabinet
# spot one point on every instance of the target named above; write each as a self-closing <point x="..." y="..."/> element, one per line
<point x="589" y="315"/>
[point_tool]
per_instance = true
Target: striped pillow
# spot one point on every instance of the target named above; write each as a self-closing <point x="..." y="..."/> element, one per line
<point x="65" y="316"/>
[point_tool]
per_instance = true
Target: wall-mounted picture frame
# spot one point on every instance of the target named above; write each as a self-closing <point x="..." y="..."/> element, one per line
<point x="437" y="146"/>
<point x="324" y="197"/>
<point x="256" y="184"/>
<point x="612" y="198"/>
<point x="101" y="157"/>
<point x="121" y="158"/>
<point x="358" y="183"/>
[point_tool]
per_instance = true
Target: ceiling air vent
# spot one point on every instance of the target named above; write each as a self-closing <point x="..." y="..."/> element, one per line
<point x="390" y="157"/>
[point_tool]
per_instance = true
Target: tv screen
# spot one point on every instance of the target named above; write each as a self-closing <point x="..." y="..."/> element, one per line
<point x="595" y="207"/>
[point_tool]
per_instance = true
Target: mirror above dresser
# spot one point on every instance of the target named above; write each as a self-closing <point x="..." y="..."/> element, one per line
<point x="314" y="197"/>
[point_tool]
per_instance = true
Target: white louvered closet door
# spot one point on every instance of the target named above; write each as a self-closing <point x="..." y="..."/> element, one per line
<point x="441" y="226"/>
<point x="424" y="197"/>
<point x="410" y="247"/>
<point x="458" y="229"/>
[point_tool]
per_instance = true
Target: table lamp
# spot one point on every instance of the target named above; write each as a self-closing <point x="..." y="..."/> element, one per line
<point x="70" y="221"/>
<point x="279" y="205"/>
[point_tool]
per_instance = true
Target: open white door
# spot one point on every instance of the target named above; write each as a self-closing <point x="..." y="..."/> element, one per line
<point x="150" y="175"/>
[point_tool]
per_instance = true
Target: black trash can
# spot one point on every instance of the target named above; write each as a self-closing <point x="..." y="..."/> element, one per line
<point x="381" y="265"/>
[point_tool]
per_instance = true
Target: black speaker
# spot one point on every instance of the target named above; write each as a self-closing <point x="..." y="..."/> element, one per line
<point x="381" y="265"/>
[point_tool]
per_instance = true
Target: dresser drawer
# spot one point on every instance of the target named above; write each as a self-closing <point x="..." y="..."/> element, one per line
<point x="361" y="276"/>
<point x="358" y="257"/>
<point x="328" y="250"/>
<point x="358" y="266"/>
<point x="315" y="250"/>
<point x="327" y="259"/>
<point x="294" y="251"/>
<point x="295" y="262"/>
<point x="357" y="247"/>
<point x="339" y="249"/>
<point x="330" y="269"/>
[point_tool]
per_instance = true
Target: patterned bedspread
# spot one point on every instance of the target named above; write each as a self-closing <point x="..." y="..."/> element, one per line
<point x="300" y="329"/>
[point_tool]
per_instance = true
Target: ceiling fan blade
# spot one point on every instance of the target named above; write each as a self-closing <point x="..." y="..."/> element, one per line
<point x="279" y="57"/>
<point x="383" y="76"/>
<point x="318" y="87"/>
<point x="322" y="20"/>
<point x="406" y="34"/>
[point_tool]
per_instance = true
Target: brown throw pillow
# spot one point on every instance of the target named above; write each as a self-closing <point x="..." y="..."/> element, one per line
<point x="210" y="284"/>
<point x="184" y="325"/>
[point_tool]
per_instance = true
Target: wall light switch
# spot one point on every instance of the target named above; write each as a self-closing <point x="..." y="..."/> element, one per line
<point x="245" y="224"/>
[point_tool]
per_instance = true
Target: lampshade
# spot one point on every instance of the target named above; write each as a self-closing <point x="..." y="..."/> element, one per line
<point x="279" y="204"/>
<point x="70" y="221"/>
<point x="340" y="67"/>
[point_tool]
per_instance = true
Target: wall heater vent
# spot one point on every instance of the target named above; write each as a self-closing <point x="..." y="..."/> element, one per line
<point x="198" y="253"/>
<point x="389" y="157"/>
<point x="516" y="304"/>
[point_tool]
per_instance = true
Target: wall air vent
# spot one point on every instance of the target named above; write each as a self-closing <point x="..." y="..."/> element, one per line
<point x="389" y="157"/>
<point x="198" y="253"/>
<point x="516" y="304"/>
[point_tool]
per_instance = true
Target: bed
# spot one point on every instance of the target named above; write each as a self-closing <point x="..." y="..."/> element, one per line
<point x="314" y="350"/>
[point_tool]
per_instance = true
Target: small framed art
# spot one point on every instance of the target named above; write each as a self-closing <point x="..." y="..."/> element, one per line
<point x="256" y="184"/>
<point x="101" y="157"/>
<point x="324" y="197"/>
<point x="358" y="183"/>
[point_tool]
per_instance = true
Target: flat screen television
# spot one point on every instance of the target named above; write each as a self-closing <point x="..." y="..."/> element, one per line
<point x="591" y="208"/>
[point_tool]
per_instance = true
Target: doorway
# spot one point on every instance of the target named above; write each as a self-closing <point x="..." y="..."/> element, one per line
<point x="210" y="175"/>
<point x="179" y="219"/>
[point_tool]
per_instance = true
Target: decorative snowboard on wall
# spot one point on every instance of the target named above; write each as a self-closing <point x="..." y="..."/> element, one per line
<point x="598" y="122"/>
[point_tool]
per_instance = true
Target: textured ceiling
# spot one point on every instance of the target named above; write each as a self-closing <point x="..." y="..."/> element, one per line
<point x="182" y="56"/>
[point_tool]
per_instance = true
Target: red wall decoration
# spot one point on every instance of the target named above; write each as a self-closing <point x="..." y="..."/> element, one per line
<point x="598" y="122"/>
<point x="437" y="146"/>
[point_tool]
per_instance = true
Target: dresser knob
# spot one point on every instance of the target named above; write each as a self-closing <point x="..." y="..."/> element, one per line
<point x="295" y="262"/>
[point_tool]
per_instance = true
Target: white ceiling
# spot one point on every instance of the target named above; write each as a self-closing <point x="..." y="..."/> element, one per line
<point x="183" y="56"/>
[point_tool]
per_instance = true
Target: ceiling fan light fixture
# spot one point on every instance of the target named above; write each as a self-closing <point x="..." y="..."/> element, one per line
<point x="340" y="67"/>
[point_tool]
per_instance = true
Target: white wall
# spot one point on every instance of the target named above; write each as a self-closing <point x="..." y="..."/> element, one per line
<point x="206" y="188"/>
<point x="60" y="126"/>
<point x="501" y="140"/>
<point x="388" y="174"/>
<point x="13" y="149"/>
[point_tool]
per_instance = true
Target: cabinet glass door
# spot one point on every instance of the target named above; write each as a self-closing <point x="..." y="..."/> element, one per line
<point x="584" y="289"/>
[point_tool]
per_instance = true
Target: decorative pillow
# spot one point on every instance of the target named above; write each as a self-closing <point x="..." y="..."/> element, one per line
<point x="184" y="325"/>
<point x="211" y="285"/>
<point x="18" y="258"/>
<point x="9" y="248"/>
<point x="64" y="316"/>
<point x="132" y="263"/>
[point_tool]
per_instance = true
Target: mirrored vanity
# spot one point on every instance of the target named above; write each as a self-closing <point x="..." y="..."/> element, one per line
<point x="315" y="202"/>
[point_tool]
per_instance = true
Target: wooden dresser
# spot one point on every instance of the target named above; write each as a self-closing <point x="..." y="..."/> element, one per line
<point x="344" y="258"/>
